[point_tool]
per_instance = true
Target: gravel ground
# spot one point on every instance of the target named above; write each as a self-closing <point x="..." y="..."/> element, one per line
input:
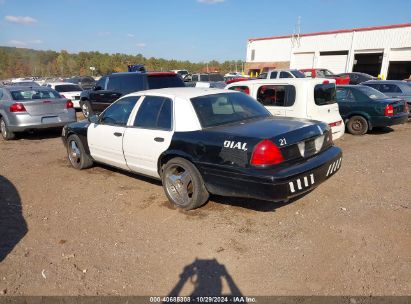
<point x="105" y="232"/>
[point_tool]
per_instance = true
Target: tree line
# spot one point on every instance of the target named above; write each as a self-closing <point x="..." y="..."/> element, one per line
<point x="21" y="62"/>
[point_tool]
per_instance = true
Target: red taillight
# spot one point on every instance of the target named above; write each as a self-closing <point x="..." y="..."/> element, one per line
<point x="389" y="110"/>
<point x="335" y="124"/>
<point x="17" y="107"/>
<point x="69" y="104"/>
<point x="266" y="153"/>
<point x="326" y="82"/>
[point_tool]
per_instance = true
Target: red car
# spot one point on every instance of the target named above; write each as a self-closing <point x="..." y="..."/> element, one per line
<point x="324" y="73"/>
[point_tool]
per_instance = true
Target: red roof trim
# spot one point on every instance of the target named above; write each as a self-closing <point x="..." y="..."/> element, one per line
<point x="359" y="29"/>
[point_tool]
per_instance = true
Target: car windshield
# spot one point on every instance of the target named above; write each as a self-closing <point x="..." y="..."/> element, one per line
<point x="262" y="76"/>
<point x="216" y="77"/>
<point x="371" y="92"/>
<point x="30" y="94"/>
<point x="297" y="74"/>
<point x="224" y="108"/>
<point x="68" y="88"/>
<point x="324" y="73"/>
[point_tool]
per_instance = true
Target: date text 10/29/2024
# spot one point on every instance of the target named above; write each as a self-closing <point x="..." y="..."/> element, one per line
<point x="200" y="299"/>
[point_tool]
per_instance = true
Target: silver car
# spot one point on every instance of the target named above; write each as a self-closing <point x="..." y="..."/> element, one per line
<point x="30" y="108"/>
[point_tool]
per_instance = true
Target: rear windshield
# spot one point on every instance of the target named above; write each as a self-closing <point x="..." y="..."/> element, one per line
<point x="68" y="88"/>
<point x="324" y="94"/>
<point x="159" y="82"/>
<point x="297" y="74"/>
<point x="31" y="93"/>
<point x="225" y="108"/>
<point x="371" y="92"/>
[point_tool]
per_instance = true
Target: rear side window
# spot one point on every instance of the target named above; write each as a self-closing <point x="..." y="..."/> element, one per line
<point x="276" y="95"/>
<point x="298" y="74"/>
<point x="155" y="113"/>
<point x="285" y="75"/>
<point x="273" y="75"/>
<point x="159" y="82"/>
<point x="308" y="74"/>
<point x="324" y="94"/>
<point x="243" y="89"/>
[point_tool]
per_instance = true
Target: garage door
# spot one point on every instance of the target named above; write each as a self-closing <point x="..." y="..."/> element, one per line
<point x="400" y="54"/>
<point x="303" y="61"/>
<point x="333" y="61"/>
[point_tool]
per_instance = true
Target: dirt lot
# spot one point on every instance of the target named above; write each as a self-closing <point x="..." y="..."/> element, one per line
<point x="102" y="231"/>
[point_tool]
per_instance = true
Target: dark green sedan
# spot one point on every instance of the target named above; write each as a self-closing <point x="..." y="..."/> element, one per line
<point x="364" y="108"/>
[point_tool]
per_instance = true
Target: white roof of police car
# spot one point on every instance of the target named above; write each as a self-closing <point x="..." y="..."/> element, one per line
<point x="185" y="92"/>
<point x="281" y="81"/>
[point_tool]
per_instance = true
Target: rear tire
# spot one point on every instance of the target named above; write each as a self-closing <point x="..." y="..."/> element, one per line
<point x="5" y="132"/>
<point x="77" y="155"/>
<point x="357" y="125"/>
<point x="85" y="106"/>
<point x="183" y="184"/>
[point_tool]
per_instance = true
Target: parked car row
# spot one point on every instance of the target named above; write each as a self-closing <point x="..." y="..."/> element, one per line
<point x="358" y="107"/>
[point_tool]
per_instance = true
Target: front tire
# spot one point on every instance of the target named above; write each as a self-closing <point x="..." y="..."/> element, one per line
<point x="5" y="132"/>
<point x="86" y="108"/>
<point x="77" y="155"/>
<point x="357" y="125"/>
<point x="183" y="184"/>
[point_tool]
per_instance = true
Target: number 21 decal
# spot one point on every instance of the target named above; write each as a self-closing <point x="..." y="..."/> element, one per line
<point x="282" y="141"/>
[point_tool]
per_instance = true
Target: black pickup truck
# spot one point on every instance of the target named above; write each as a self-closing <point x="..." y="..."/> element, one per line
<point x="111" y="87"/>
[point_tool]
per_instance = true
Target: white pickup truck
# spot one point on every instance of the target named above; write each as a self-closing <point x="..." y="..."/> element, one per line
<point x="297" y="97"/>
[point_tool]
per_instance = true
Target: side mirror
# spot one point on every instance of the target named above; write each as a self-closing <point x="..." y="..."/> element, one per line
<point x="93" y="119"/>
<point x="97" y="88"/>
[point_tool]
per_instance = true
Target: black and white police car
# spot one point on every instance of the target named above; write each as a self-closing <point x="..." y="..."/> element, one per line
<point x="200" y="141"/>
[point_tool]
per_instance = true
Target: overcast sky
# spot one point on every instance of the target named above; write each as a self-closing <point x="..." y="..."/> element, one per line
<point x="196" y="30"/>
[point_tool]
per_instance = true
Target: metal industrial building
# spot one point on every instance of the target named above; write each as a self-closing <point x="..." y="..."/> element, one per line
<point x="379" y="50"/>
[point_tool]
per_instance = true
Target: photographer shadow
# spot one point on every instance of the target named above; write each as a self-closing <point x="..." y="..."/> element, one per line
<point x="205" y="277"/>
<point x="13" y="226"/>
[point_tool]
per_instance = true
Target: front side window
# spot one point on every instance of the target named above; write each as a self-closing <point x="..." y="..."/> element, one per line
<point x="285" y="75"/>
<point x="243" y="89"/>
<point x="324" y="94"/>
<point x="102" y="83"/>
<point x="224" y="108"/>
<point x="119" y="112"/>
<point x="155" y="113"/>
<point x="276" y="95"/>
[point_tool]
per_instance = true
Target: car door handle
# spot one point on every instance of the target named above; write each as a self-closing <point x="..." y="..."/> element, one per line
<point x="118" y="134"/>
<point x="159" y="139"/>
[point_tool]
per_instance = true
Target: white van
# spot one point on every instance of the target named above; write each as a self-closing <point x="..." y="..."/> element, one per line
<point x="297" y="97"/>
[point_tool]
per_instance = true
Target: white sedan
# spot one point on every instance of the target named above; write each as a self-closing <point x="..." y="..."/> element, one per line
<point x="67" y="90"/>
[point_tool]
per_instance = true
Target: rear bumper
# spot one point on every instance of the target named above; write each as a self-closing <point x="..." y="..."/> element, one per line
<point x="22" y="122"/>
<point x="385" y="121"/>
<point x="272" y="184"/>
<point x="338" y="131"/>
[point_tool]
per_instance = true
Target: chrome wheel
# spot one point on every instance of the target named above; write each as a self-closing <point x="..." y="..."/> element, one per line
<point x="179" y="185"/>
<point x="85" y="109"/>
<point x="74" y="153"/>
<point x="3" y="128"/>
